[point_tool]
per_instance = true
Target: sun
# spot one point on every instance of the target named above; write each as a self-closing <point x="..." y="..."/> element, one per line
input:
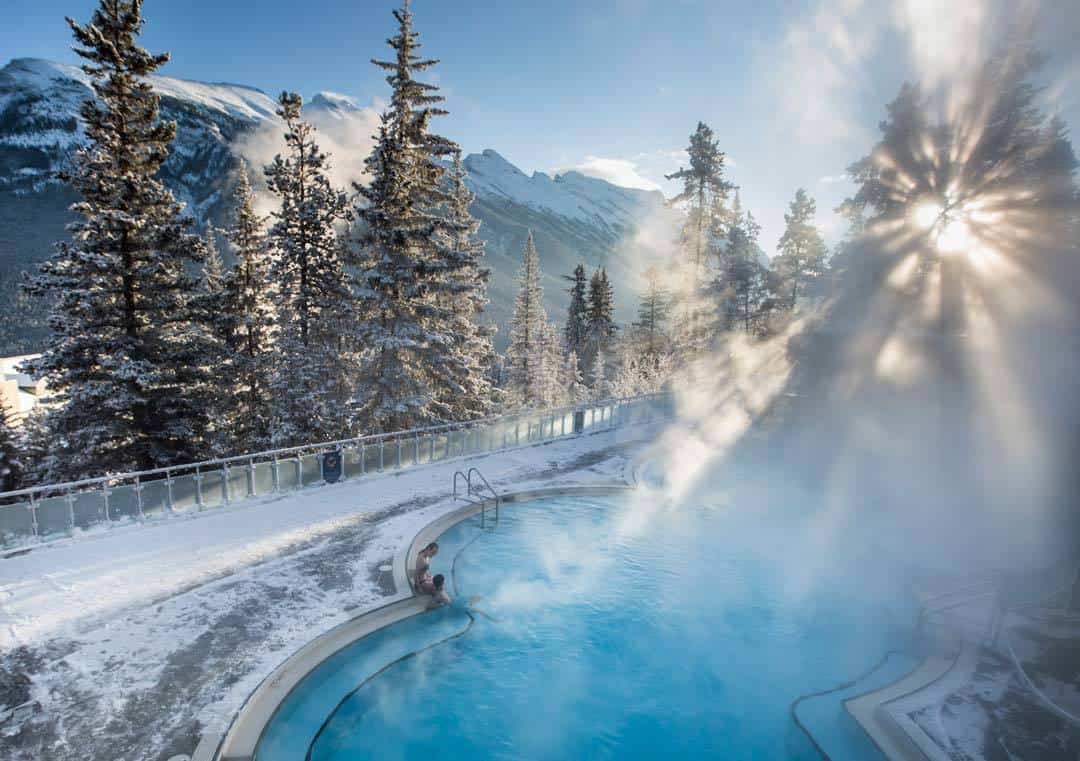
<point x="927" y="214"/>
<point x="947" y="226"/>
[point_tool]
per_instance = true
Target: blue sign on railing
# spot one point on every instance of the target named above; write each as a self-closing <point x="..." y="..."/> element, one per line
<point x="331" y="466"/>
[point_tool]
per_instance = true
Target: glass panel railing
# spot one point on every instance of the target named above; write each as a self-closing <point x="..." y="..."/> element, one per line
<point x="310" y="469"/>
<point x="238" y="484"/>
<point x="123" y="503"/>
<point x="352" y="465"/>
<point x="16" y="522"/>
<point x="408" y="452"/>
<point x="53" y="517"/>
<point x="89" y="509"/>
<point x="183" y="493"/>
<point x="373" y="457"/>
<point x="439" y="446"/>
<point x="155" y="499"/>
<point x="288" y="475"/>
<point x="263" y="478"/>
<point x="213" y="488"/>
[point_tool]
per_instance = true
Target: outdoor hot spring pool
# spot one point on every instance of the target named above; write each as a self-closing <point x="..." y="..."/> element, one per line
<point x="614" y="628"/>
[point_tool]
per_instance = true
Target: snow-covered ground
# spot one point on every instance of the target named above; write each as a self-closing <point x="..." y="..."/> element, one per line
<point x="130" y="642"/>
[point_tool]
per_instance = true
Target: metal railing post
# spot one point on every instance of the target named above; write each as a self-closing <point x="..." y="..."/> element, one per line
<point x="225" y="491"/>
<point x="399" y="454"/>
<point x="299" y="472"/>
<point x="198" y="490"/>
<point x="70" y="499"/>
<point x="33" y="517"/>
<point x="168" y="491"/>
<point x="105" y="499"/>
<point x="275" y="475"/>
<point x="363" y="459"/>
<point x="138" y="498"/>
<point x="381" y="447"/>
<point x="251" y="476"/>
<point x="416" y="448"/>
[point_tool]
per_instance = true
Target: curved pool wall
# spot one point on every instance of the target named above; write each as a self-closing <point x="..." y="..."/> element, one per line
<point x="339" y="692"/>
<point x="238" y="741"/>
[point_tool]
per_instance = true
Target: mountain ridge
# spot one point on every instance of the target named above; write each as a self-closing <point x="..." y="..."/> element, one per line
<point x="573" y="217"/>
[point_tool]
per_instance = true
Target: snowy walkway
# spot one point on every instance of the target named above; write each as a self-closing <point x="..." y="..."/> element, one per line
<point x="133" y="639"/>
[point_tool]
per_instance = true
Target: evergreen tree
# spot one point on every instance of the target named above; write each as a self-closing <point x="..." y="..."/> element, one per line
<point x="310" y="384"/>
<point x="249" y="334"/>
<point x="411" y="267"/>
<point x="576" y="332"/>
<point x="703" y="186"/>
<point x="526" y="330"/>
<point x="11" y="466"/>
<point x="576" y="390"/>
<point x="745" y="284"/>
<point x="652" y="319"/>
<point x="802" y="249"/>
<point x="601" y="315"/>
<point x="551" y="381"/>
<point x="126" y="353"/>
<point x="601" y="386"/>
<point x="463" y="390"/>
<point x="212" y="314"/>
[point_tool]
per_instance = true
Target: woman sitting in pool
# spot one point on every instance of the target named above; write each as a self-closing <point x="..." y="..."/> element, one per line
<point x="423" y="563"/>
<point x="434" y="587"/>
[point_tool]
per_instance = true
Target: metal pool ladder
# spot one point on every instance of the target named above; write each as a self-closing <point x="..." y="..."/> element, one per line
<point x="478" y="494"/>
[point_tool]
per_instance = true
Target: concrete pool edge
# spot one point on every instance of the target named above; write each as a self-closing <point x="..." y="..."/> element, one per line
<point x="239" y="740"/>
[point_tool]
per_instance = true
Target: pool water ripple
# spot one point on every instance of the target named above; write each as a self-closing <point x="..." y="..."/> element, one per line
<point x="601" y="636"/>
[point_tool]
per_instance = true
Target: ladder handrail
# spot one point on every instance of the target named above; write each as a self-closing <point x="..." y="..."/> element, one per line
<point x="456" y="474"/>
<point x="470" y="492"/>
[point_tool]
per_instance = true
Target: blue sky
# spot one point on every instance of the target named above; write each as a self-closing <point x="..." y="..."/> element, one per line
<point x="793" y="90"/>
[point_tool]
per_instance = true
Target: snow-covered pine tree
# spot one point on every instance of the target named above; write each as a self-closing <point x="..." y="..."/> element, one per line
<point x="408" y="267"/>
<point x="703" y="185"/>
<point x="651" y="325"/>
<point x="126" y="353"/>
<point x="212" y="313"/>
<point x="802" y="250"/>
<point x="745" y="280"/>
<point x="249" y="304"/>
<point x="601" y="385"/>
<point x="550" y="364"/>
<point x="576" y="390"/>
<point x="526" y="331"/>
<point x="463" y="387"/>
<point x="11" y="466"/>
<point x="311" y="379"/>
<point x="576" y="332"/>
<point x="601" y="315"/>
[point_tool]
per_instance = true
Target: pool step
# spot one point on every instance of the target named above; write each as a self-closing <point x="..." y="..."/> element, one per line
<point x="833" y="729"/>
<point x="874" y="714"/>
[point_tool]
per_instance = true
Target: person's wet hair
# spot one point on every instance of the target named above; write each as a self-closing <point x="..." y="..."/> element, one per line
<point x="438" y="581"/>
<point x="432" y="546"/>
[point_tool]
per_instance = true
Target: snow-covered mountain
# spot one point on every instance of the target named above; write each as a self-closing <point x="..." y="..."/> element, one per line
<point x="574" y="217"/>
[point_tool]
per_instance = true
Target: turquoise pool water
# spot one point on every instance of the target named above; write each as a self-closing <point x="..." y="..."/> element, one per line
<point x="613" y="628"/>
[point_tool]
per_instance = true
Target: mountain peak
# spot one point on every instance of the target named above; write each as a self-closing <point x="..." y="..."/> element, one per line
<point x="333" y="101"/>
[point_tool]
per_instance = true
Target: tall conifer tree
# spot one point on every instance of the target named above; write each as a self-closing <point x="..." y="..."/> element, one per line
<point x="126" y="353"/>
<point x="412" y="272"/>
<point x="526" y="331"/>
<point x="576" y="331"/>
<point x="249" y="306"/>
<point x="311" y="385"/>
<point x="802" y="249"/>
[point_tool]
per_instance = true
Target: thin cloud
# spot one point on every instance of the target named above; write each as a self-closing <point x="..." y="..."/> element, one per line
<point x="622" y="172"/>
